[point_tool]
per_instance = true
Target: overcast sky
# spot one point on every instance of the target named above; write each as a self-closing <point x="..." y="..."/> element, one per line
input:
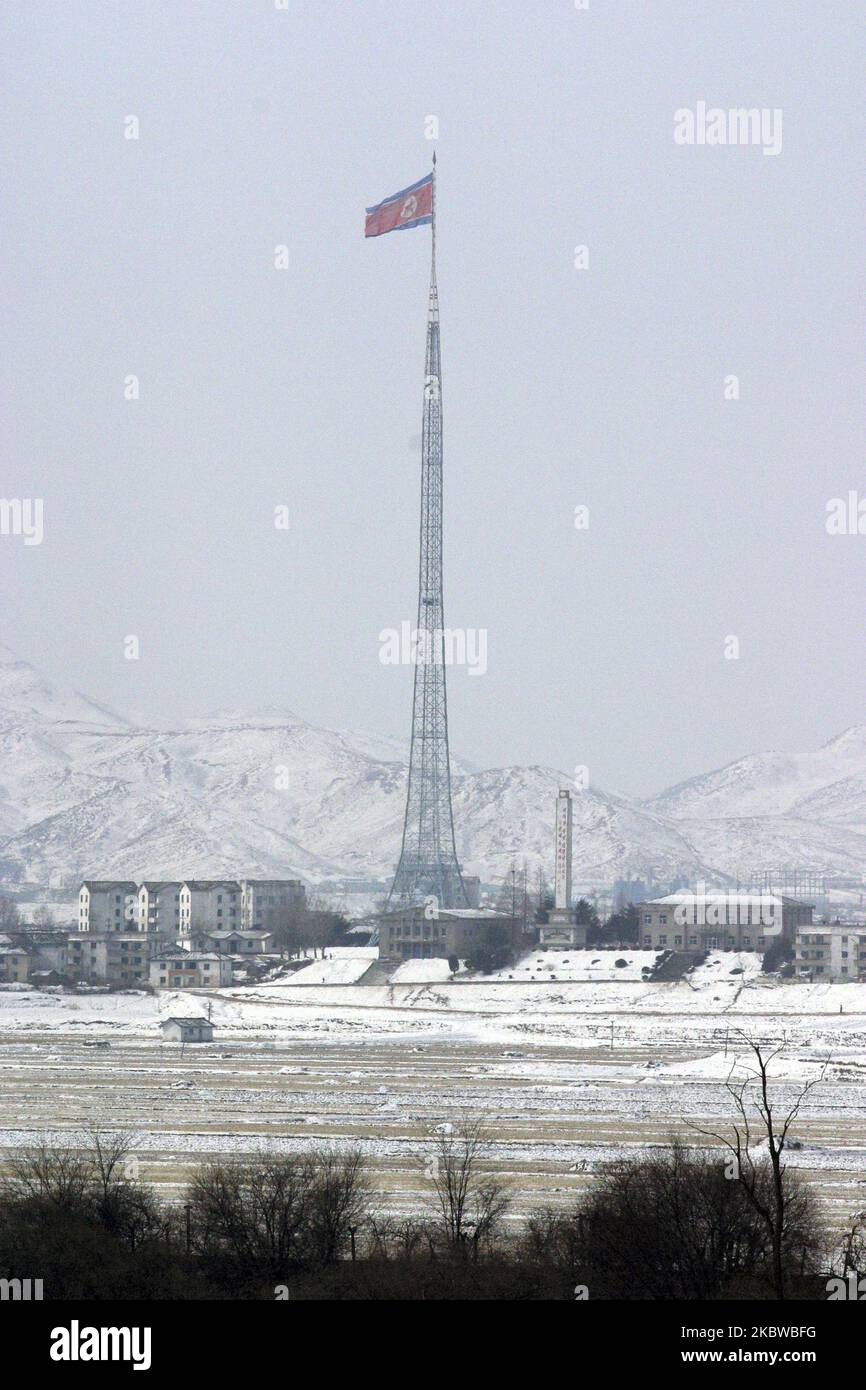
<point x="601" y="387"/>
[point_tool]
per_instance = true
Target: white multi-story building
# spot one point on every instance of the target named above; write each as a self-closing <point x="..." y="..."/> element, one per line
<point x="268" y="902"/>
<point x="836" y="952"/>
<point x="719" y="921"/>
<point x="159" y="907"/>
<point x="209" y="904"/>
<point x="107" y="905"/>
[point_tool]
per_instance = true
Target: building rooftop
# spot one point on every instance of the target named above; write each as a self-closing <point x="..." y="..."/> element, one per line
<point x="190" y="956"/>
<point x="100" y="885"/>
<point x="720" y="896"/>
<point x="205" y="883"/>
<point x="273" y="882"/>
<point x="248" y="933"/>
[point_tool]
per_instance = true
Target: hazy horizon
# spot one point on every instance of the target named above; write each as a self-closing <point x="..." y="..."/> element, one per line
<point x="302" y="387"/>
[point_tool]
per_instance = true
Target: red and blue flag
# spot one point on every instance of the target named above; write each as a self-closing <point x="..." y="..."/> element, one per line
<point x="411" y="207"/>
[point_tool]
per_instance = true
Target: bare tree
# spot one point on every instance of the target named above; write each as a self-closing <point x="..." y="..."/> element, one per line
<point x="62" y="1177"/>
<point x="851" y="1256"/>
<point x="755" y="1111"/>
<point x="249" y="1220"/>
<point x="471" y="1202"/>
<point x="123" y="1204"/>
<point x="339" y="1201"/>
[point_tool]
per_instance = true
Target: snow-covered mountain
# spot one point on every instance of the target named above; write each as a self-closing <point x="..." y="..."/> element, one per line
<point x="84" y="792"/>
<point x="829" y="784"/>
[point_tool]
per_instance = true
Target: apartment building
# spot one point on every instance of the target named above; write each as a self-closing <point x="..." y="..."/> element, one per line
<point x="107" y="905"/>
<point x="112" y="958"/>
<point x="835" y="952"/>
<point x="721" y="921"/>
<point x="159" y="906"/>
<point x="267" y="903"/>
<point x="209" y="904"/>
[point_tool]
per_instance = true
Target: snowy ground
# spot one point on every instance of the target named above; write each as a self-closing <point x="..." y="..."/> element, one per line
<point x="422" y="972"/>
<point x="567" y="1073"/>
<point x="345" y="966"/>
<point x="581" y="965"/>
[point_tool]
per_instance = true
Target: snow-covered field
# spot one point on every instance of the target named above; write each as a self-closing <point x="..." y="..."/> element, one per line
<point x="566" y="1072"/>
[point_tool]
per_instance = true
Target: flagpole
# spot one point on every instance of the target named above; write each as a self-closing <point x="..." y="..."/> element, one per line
<point x="433" y="257"/>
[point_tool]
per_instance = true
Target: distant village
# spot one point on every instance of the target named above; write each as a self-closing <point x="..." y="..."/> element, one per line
<point x="172" y="934"/>
<point x="209" y="933"/>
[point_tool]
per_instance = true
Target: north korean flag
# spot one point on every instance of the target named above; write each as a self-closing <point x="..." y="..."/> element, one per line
<point x="411" y="207"/>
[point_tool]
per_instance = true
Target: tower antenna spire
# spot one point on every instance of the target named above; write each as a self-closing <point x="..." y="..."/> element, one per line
<point x="428" y="864"/>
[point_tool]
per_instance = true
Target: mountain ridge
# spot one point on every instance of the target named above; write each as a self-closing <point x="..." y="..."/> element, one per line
<point x="86" y="792"/>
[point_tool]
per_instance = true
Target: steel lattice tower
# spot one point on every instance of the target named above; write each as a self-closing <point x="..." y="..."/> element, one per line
<point x="428" y="858"/>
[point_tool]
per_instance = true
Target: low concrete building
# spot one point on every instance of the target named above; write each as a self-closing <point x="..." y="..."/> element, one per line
<point x="836" y="952"/>
<point x="46" y="947"/>
<point x="187" y="1030"/>
<point x="408" y="933"/>
<point x="14" y="965"/>
<point x="719" y="921"/>
<point x="179" y="969"/>
<point x="107" y="905"/>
